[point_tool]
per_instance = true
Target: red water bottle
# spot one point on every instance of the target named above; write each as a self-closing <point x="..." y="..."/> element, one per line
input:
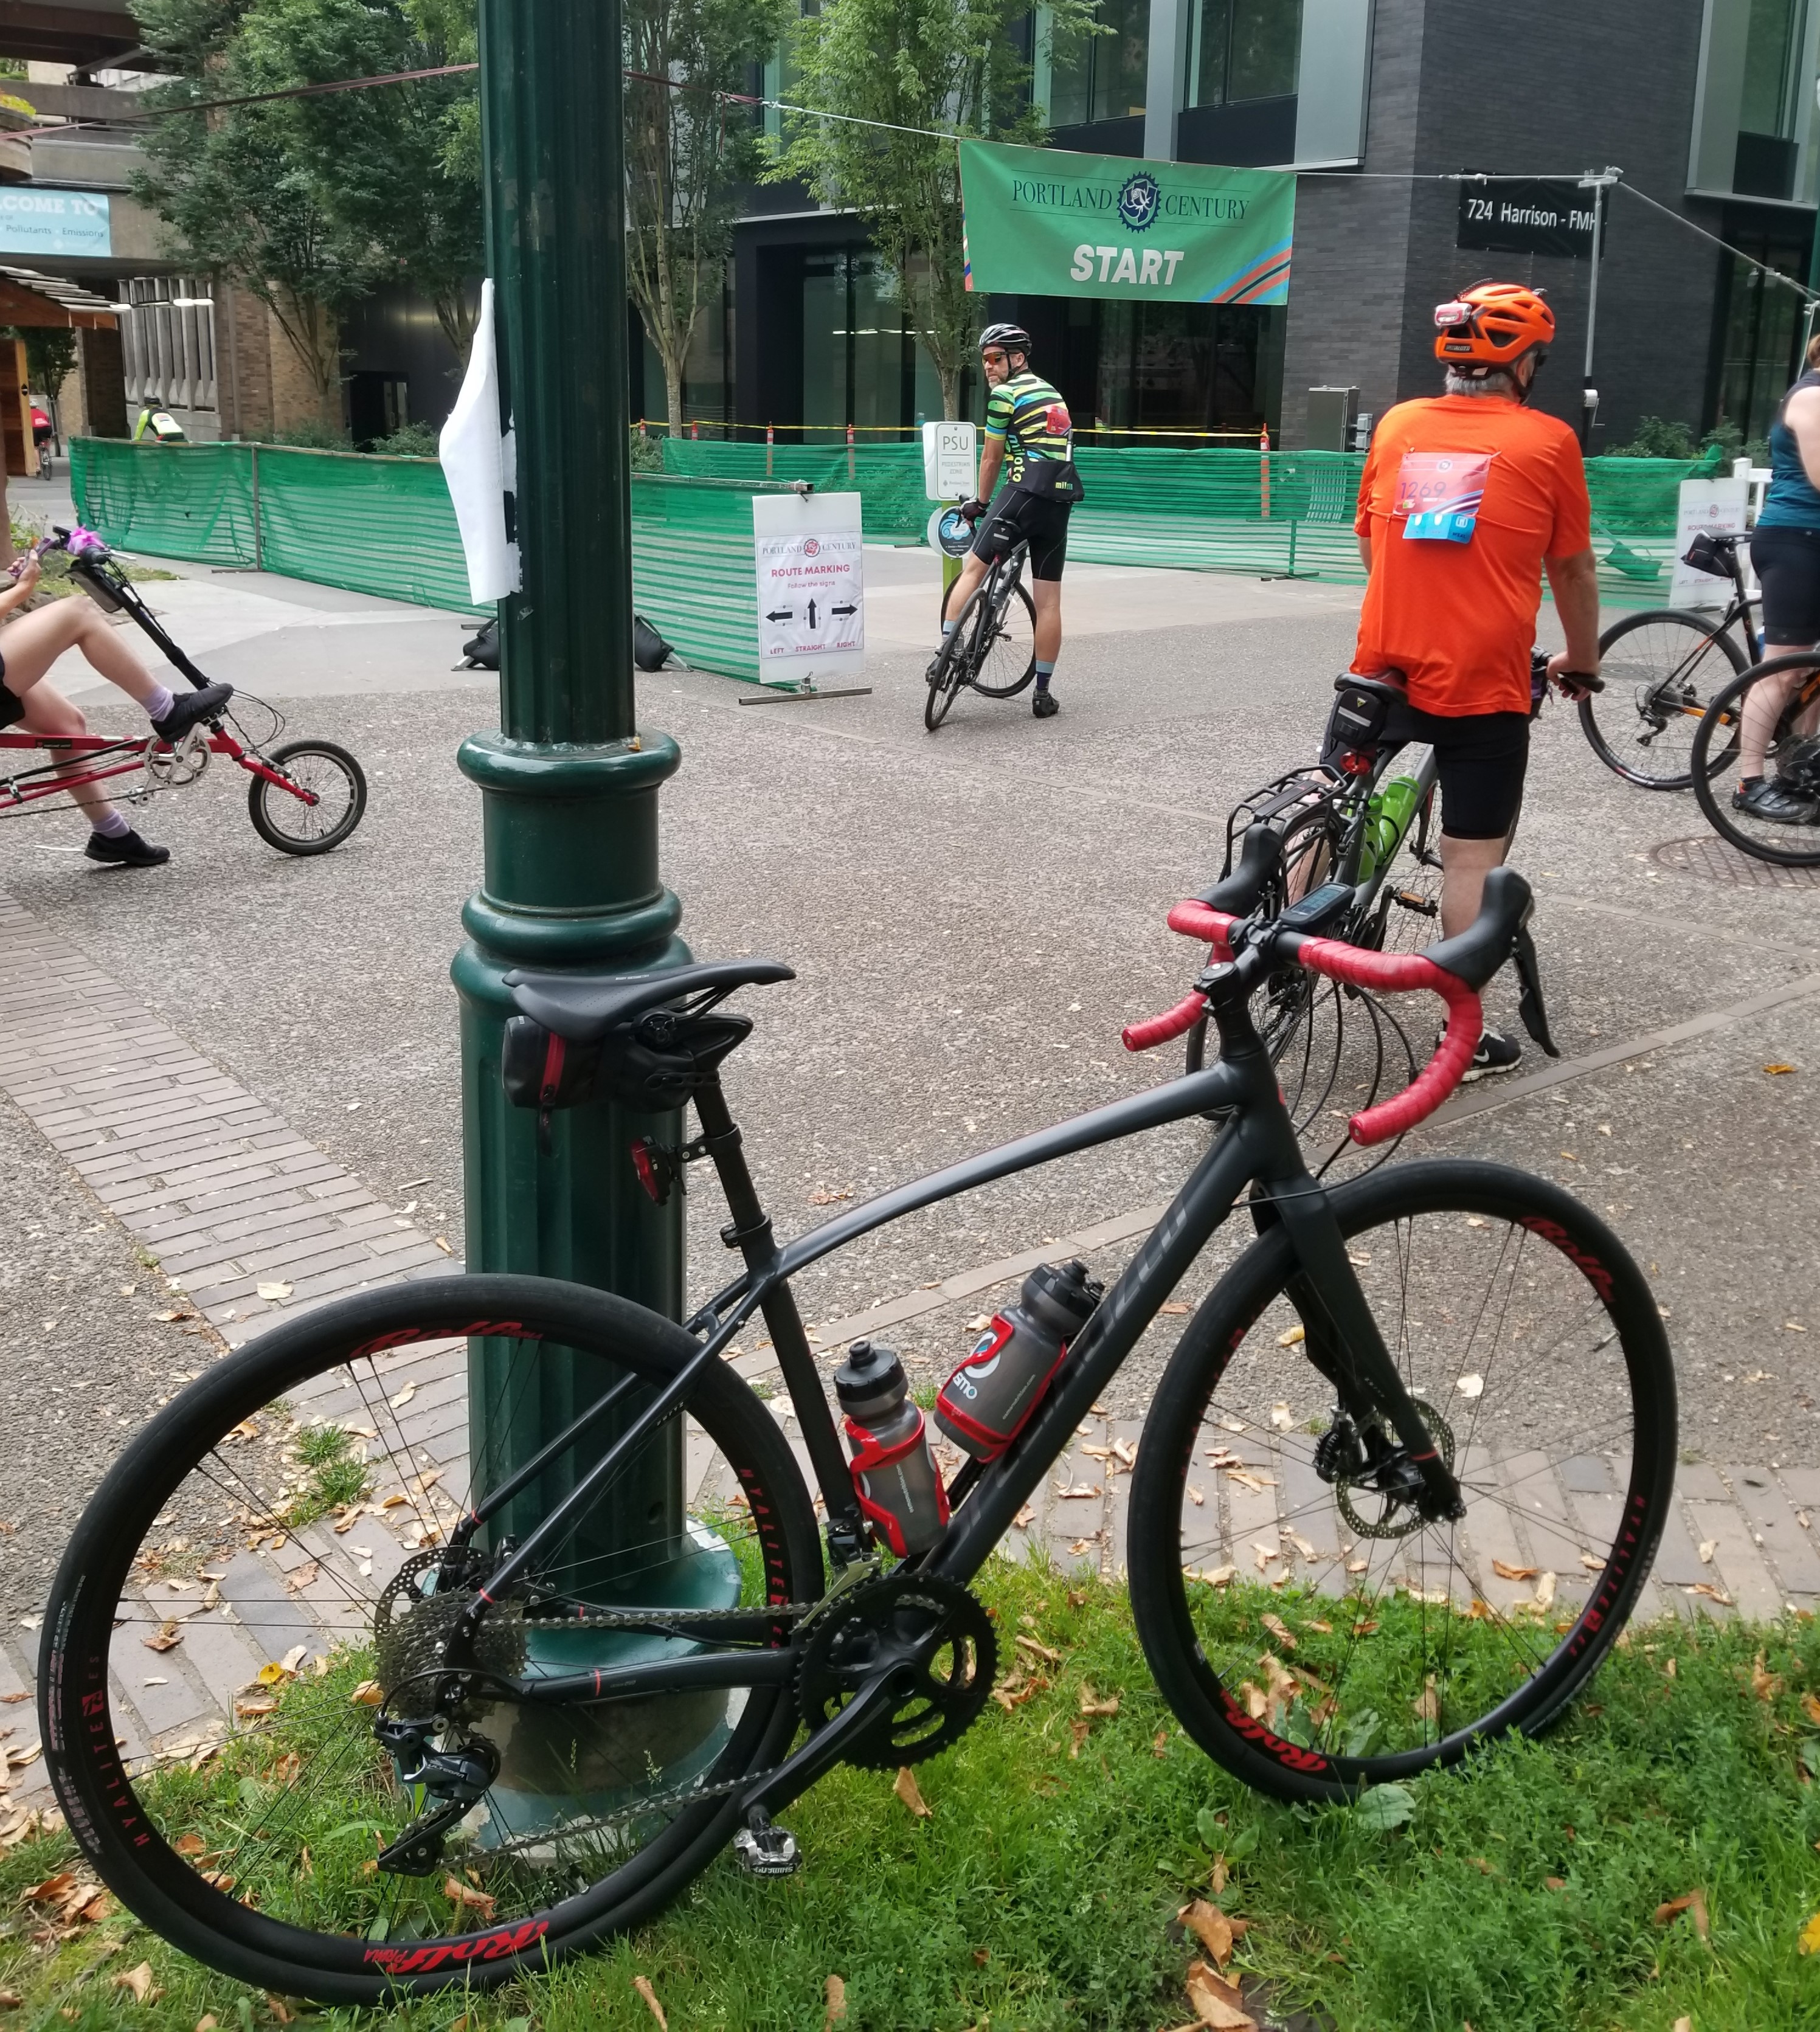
<point x="986" y="1404"/>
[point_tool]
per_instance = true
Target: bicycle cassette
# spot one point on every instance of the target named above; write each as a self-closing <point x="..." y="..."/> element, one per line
<point x="935" y="1630"/>
<point x="410" y="1628"/>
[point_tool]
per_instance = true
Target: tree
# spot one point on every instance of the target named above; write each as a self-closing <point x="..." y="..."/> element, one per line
<point x="945" y="67"/>
<point x="685" y="152"/>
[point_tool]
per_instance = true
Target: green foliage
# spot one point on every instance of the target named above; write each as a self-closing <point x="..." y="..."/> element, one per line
<point x="409" y="441"/>
<point x="647" y="453"/>
<point x="1519" y="1894"/>
<point x="1661" y="437"/>
<point x="947" y="69"/>
<point x="49" y="354"/>
<point x="686" y="150"/>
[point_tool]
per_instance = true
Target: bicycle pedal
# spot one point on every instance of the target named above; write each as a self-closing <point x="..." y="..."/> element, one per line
<point x="1426" y="905"/>
<point x="764" y="1849"/>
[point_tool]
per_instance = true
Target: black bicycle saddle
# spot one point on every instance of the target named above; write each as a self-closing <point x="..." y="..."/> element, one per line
<point x="581" y="1010"/>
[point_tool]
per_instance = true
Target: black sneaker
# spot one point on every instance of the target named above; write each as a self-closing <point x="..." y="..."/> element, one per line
<point x="1045" y="705"/>
<point x="189" y="708"/>
<point x="1496" y="1053"/>
<point x="1774" y="803"/>
<point x="127" y="851"/>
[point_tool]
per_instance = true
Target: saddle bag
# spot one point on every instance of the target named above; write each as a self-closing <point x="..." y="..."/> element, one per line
<point x="540" y="1069"/>
<point x="1355" y="726"/>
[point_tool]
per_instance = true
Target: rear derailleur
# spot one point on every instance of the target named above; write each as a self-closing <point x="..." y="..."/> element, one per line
<point x="454" y="1782"/>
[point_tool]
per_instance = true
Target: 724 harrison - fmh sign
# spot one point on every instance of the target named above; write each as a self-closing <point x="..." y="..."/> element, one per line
<point x="1534" y="216"/>
<point x="1044" y="221"/>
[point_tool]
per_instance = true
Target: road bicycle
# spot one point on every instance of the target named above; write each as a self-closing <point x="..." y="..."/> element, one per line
<point x="1792" y="759"/>
<point x="1663" y="668"/>
<point x="553" y="1677"/>
<point x="992" y="646"/>
<point x="1352" y="844"/>
<point x="305" y="797"/>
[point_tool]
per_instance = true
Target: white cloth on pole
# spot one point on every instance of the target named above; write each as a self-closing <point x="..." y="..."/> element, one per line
<point x="473" y="454"/>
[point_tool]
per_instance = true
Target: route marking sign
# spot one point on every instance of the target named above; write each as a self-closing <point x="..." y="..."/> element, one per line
<point x="810" y="559"/>
<point x="1721" y="506"/>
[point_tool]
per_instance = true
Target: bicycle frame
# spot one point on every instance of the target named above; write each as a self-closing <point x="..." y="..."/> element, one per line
<point x="30" y="786"/>
<point x="1257" y="1144"/>
<point x="1002" y="576"/>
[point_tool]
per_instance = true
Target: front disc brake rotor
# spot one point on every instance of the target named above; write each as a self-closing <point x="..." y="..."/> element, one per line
<point x="1399" y="1519"/>
<point x="938" y="1628"/>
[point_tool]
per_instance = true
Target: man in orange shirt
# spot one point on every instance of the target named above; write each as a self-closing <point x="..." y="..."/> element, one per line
<point x="1465" y="501"/>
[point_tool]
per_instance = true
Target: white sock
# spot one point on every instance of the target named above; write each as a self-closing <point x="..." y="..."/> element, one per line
<point x="113" y="827"/>
<point x="159" y="703"/>
<point x="949" y="628"/>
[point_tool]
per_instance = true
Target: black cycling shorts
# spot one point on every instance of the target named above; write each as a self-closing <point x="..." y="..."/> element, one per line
<point x="1788" y="565"/>
<point x="1481" y="758"/>
<point x="1036" y="519"/>
<point x="12" y="705"/>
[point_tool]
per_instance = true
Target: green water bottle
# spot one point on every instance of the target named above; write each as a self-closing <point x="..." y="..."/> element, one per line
<point x="1388" y="815"/>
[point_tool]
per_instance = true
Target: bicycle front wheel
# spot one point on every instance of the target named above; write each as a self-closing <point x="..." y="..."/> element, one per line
<point x="263" y="1587"/>
<point x="1311" y="1632"/>
<point x="1005" y="657"/>
<point x="1783" y="692"/>
<point x="335" y="797"/>
<point x="1662" y="671"/>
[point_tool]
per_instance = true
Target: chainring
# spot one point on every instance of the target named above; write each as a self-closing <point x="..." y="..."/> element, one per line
<point x="1397" y="1522"/>
<point x="842" y="1647"/>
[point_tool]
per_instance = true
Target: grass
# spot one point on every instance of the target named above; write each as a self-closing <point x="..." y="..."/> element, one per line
<point x="1041" y="1892"/>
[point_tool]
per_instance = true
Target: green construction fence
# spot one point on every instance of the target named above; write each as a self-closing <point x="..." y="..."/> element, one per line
<point x="387" y="526"/>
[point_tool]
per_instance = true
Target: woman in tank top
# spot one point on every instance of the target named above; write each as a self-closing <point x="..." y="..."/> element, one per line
<point x="1785" y="551"/>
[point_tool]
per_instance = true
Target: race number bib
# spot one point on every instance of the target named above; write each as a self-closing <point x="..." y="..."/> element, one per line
<point x="1439" y="493"/>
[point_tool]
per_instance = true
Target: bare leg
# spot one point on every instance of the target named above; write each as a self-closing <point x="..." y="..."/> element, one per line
<point x="50" y="714"/>
<point x="1763" y="705"/>
<point x="31" y="645"/>
<point x="1464" y="865"/>
<point x="1046" y="597"/>
<point x="962" y="591"/>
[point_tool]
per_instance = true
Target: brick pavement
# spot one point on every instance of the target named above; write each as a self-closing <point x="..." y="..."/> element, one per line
<point x="221" y="1190"/>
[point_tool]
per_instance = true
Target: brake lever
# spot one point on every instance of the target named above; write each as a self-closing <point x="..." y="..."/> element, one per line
<point x="1531" y="1006"/>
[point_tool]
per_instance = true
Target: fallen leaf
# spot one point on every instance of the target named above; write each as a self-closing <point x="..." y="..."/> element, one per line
<point x="169" y="1637"/>
<point x="1256" y="1483"/>
<point x="1218" y="2001"/>
<point x="1282" y="1417"/>
<point x="209" y="2022"/>
<point x="251" y="1710"/>
<point x="1778" y="1068"/>
<point x="1077" y="1730"/>
<point x="1041" y="1650"/>
<point x="27" y="1752"/>
<point x="1810" y="1707"/>
<point x="1811" y="1936"/>
<point x="468" y="1899"/>
<point x="1544" y="1591"/>
<point x="1296" y="1539"/>
<point x="1708" y="1547"/>
<point x="1712" y="1594"/>
<point x="1217" y="1577"/>
<point x="1025" y="1517"/>
<point x="642" y="1984"/>
<point x="404" y="1396"/>
<point x="1694" y="1904"/>
<point x="277" y="1290"/>
<point x="1357" y="1565"/>
<point x="1512" y="1573"/>
<point x="1216" y="1876"/>
<point x="1090" y="1706"/>
<point x="300" y="1578"/>
<point x="1174" y="1309"/>
<point x="906" y="1790"/>
<point x="1279" y="1630"/>
<point x="1297" y="1333"/>
<point x="139" y="1981"/>
<point x="1159" y="1743"/>
<point x="1196" y="1496"/>
<point x="1427" y="1703"/>
<point x="190" y="1844"/>
<point x="1265" y="1554"/>
<point x="444" y="1244"/>
<point x="1554" y="1884"/>
<point x="1766" y="1685"/>
<point x="1079" y="1493"/>
<point x="836" y="1992"/>
<point x="1469" y="1386"/>
<point x="369" y="1694"/>
<point x="1210" y="1926"/>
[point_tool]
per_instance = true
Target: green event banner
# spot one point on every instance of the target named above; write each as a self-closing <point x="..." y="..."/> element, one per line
<point x="1042" y="221"/>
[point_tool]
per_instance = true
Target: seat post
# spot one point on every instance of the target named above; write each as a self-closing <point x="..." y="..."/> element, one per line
<point x="750" y="1232"/>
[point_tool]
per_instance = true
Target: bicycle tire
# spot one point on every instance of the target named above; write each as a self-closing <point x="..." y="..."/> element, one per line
<point x="949" y="671"/>
<point x="1801" y="849"/>
<point x="269" y="815"/>
<point x="125" y="1825"/>
<point x="1630" y="707"/>
<point x="1187" y="1640"/>
<point x="1002" y="632"/>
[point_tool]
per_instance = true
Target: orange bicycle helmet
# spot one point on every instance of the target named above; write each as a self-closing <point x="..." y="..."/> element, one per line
<point x="1492" y="325"/>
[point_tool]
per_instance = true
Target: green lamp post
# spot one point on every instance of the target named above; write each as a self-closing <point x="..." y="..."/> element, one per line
<point x="569" y="788"/>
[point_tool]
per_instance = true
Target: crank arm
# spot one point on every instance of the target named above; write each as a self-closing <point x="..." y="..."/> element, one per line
<point x="824" y="1749"/>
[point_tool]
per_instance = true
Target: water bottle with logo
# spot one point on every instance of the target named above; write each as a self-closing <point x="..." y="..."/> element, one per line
<point x="893" y="1469"/>
<point x="984" y="1404"/>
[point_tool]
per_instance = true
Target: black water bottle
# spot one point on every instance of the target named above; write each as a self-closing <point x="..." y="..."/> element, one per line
<point x="984" y="1404"/>
<point x="893" y="1470"/>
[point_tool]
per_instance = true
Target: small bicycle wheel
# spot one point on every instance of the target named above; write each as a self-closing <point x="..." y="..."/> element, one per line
<point x="1311" y="1632"/>
<point x="260" y="1594"/>
<point x="1788" y="705"/>
<point x="1005" y="656"/>
<point x="333" y="797"/>
<point x="1662" y="672"/>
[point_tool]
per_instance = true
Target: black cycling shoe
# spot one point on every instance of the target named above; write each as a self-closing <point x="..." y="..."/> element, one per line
<point x="190" y="708"/>
<point x="1045" y="705"/>
<point x="1775" y="803"/>
<point x="127" y="851"/>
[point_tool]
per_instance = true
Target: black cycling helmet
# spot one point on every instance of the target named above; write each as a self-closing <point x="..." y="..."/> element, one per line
<point x="1009" y="337"/>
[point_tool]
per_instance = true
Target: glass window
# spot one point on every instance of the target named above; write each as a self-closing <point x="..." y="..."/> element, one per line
<point x="1245" y="49"/>
<point x="1103" y="77"/>
<point x="1772" y="51"/>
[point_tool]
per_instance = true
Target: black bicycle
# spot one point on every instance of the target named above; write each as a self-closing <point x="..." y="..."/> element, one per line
<point x="507" y="1712"/>
<point x="1787" y="720"/>
<point x="992" y="646"/>
<point x="1663" y="670"/>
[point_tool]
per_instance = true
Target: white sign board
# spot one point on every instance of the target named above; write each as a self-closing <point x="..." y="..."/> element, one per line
<point x="1720" y="506"/>
<point x="811" y="585"/>
<point x="951" y="461"/>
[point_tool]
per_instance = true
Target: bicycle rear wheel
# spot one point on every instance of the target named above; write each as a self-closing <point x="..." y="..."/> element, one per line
<point x="1792" y="761"/>
<point x="1662" y="672"/>
<point x="1005" y="657"/>
<point x="1314" y="1635"/>
<point x="271" y="1571"/>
